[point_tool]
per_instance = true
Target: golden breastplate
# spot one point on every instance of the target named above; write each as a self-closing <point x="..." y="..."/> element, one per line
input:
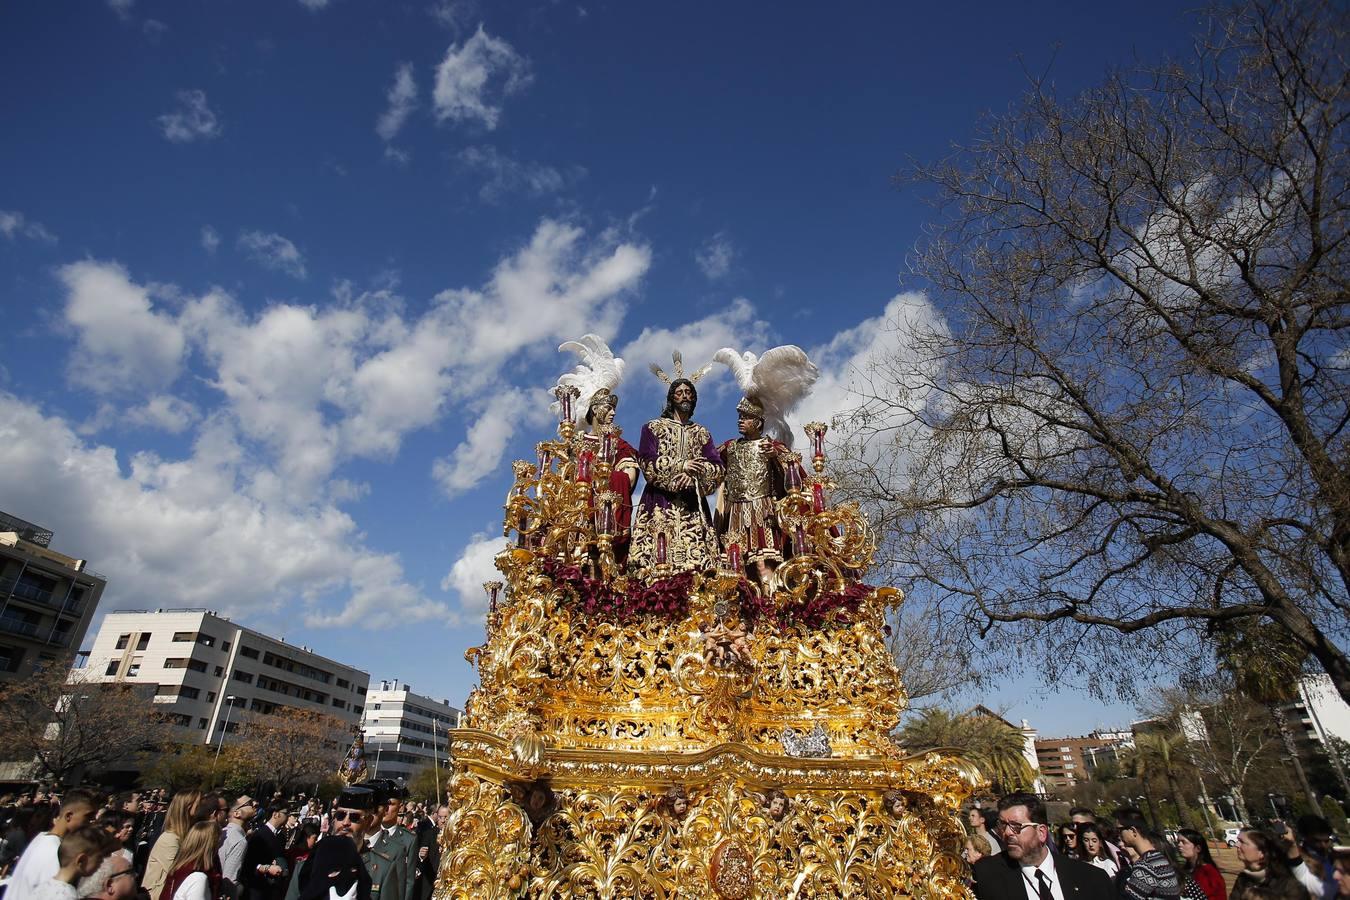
<point x="747" y="471"/>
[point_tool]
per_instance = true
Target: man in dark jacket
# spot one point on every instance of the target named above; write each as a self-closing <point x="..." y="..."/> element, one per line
<point x="263" y="873"/>
<point x="1027" y="869"/>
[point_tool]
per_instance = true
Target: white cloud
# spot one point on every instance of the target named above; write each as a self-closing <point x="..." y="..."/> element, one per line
<point x="506" y="175"/>
<point x="474" y="78"/>
<point x="192" y="120"/>
<point x="272" y="251"/>
<point x="453" y="14"/>
<point x="716" y="255"/>
<point x="402" y="99"/>
<point x="315" y="5"/>
<point x="14" y="224"/>
<point x="196" y="532"/>
<point x="861" y="370"/>
<point x="165" y="413"/>
<point x="474" y="567"/>
<point x="210" y="239"/>
<point x="123" y="342"/>
<point x="154" y="29"/>
<point x="481" y="452"/>
<point x="121" y="7"/>
<point x="736" y="326"/>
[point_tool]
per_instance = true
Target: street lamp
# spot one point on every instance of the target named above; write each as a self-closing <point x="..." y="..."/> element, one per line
<point x="229" y="708"/>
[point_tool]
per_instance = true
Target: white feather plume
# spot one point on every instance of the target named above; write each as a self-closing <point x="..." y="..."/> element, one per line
<point x="599" y="368"/>
<point x="780" y="379"/>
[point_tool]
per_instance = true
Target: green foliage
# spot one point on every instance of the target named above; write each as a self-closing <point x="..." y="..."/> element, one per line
<point x="423" y="785"/>
<point x="1335" y="814"/>
<point x="196" y="766"/>
<point x="991" y="744"/>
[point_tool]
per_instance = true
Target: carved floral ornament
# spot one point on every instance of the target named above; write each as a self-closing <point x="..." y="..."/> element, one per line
<point x="650" y="730"/>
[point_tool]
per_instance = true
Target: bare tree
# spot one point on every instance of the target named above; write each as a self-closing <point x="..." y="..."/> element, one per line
<point x="293" y="746"/>
<point x="1130" y="429"/>
<point x="67" y="724"/>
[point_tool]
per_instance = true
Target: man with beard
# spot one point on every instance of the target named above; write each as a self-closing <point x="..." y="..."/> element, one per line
<point x="336" y="861"/>
<point x="672" y="528"/>
<point x="1028" y="869"/>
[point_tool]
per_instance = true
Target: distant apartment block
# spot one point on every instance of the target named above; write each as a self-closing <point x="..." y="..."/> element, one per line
<point x="404" y="731"/>
<point x="47" y="599"/>
<point x="1067" y="761"/>
<point x="210" y="674"/>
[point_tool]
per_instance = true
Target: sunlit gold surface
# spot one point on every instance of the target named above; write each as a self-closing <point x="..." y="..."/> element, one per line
<point x="610" y="716"/>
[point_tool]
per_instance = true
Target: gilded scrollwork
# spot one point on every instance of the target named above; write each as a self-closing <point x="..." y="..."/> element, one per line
<point x="690" y="696"/>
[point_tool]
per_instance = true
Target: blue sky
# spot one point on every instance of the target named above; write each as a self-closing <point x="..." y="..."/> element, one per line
<point x="283" y="281"/>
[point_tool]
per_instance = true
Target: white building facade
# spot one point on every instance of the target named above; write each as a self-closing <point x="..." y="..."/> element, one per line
<point x="404" y="731"/>
<point x="210" y="673"/>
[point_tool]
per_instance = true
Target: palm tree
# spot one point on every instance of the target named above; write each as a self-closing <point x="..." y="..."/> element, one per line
<point x="1160" y="752"/>
<point x="993" y="745"/>
<point x="1266" y="665"/>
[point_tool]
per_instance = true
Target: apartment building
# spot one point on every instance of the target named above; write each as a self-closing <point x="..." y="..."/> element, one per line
<point x="1066" y="761"/>
<point x="47" y="599"/>
<point x="405" y="731"/>
<point x="210" y="673"/>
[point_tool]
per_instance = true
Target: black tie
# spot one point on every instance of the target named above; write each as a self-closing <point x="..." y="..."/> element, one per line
<point x="1043" y="886"/>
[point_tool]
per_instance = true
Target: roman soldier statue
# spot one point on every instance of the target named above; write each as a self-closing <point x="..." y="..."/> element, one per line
<point x="672" y="526"/>
<point x="596" y="378"/>
<point x="757" y="470"/>
<point x="760" y="463"/>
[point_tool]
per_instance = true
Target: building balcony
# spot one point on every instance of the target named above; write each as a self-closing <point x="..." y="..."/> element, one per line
<point x="18" y="626"/>
<point x="29" y="593"/>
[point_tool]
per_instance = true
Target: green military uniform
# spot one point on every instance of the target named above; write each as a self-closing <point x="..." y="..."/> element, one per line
<point x="391" y="861"/>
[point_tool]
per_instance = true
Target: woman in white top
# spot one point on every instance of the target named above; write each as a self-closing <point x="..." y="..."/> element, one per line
<point x="1092" y="848"/>
<point x="196" y="869"/>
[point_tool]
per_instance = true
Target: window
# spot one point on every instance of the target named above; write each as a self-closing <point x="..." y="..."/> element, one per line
<point x="112" y="667"/>
<point x="243" y="676"/>
<point x="343" y="683"/>
<point x="143" y="642"/>
<point x="122" y="641"/>
<point x="10" y="658"/>
<point x="249" y="652"/>
<point x="210" y="696"/>
<point x="184" y="636"/>
<point x="360" y="690"/>
<point x="340" y="704"/>
<point x="220" y="670"/>
<point x="225" y="646"/>
<point x="175" y="662"/>
<point x="358" y="710"/>
<point x="201" y="723"/>
<point x="205" y="639"/>
<point x="191" y="693"/>
<point x="180" y="719"/>
<point x="133" y="670"/>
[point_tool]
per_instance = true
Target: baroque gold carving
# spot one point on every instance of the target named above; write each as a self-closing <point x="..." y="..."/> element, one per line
<point x="660" y="738"/>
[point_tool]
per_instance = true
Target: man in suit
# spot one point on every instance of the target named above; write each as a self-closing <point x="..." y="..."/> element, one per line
<point x="263" y="873"/>
<point x="429" y="851"/>
<point x="1028" y="869"/>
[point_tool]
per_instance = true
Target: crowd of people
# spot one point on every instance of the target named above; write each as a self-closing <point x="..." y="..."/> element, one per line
<point x="213" y="846"/>
<point x="370" y="842"/>
<point x="1016" y="854"/>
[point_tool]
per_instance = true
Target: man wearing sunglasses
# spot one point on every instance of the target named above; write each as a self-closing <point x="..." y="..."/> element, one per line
<point x="114" y="880"/>
<point x="344" y="860"/>
<point x="235" y="841"/>
<point x="1028" y="869"/>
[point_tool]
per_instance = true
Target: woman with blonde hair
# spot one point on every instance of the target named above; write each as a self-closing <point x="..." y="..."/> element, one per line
<point x="177" y="820"/>
<point x="196" y="869"/>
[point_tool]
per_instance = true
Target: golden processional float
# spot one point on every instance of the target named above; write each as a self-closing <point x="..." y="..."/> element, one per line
<point x="642" y="731"/>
